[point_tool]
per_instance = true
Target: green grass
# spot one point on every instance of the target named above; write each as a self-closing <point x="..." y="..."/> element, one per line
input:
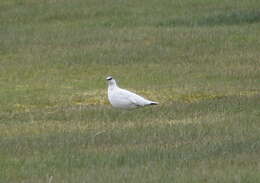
<point x="199" y="59"/>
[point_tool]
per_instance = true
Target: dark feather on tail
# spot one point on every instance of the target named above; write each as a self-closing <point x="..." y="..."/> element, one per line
<point x="154" y="103"/>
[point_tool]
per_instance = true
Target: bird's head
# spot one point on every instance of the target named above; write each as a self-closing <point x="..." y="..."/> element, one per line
<point x="111" y="81"/>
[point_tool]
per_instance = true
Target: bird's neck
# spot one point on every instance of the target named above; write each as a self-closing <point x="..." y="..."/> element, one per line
<point x="112" y="86"/>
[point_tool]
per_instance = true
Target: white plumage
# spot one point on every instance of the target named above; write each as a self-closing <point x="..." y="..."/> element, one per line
<point x="121" y="98"/>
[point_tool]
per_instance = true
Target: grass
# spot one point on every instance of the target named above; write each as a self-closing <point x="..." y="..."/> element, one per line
<point x="199" y="59"/>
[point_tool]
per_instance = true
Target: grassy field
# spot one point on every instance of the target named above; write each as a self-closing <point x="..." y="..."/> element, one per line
<point x="199" y="58"/>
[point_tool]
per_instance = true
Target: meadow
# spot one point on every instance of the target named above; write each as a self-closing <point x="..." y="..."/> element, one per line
<point x="199" y="58"/>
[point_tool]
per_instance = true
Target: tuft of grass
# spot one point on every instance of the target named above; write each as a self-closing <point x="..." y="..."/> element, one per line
<point x="216" y="19"/>
<point x="232" y="18"/>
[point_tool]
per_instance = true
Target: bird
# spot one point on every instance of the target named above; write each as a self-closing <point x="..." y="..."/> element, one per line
<point x="124" y="99"/>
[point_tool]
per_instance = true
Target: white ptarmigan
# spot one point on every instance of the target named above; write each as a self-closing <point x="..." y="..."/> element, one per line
<point x="121" y="98"/>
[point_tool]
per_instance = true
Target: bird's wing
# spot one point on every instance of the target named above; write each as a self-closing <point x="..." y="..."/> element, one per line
<point x="133" y="98"/>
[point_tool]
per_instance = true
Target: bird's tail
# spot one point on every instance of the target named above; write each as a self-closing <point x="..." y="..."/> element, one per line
<point x="154" y="103"/>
